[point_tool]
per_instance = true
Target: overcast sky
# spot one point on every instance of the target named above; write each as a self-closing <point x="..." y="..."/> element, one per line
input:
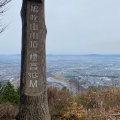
<point x="74" y="27"/>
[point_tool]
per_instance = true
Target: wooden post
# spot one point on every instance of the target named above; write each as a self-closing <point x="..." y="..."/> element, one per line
<point x="33" y="92"/>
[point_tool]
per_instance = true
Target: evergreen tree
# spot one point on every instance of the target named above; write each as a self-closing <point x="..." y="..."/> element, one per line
<point x="18" y="90"/>
<point x="1" y="88"/>
<point x="9" y="94"/>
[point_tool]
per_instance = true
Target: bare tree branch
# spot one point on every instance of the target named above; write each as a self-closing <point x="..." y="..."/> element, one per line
<point x="4" y="2"/>
<point x="3" y="9"/>
<point x="2" y="28"/>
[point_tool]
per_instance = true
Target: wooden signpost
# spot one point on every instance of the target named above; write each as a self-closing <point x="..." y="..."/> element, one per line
<point x="33" y="92"/>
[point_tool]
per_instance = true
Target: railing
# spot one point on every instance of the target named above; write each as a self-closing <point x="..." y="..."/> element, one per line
<point x="117" y="116"/>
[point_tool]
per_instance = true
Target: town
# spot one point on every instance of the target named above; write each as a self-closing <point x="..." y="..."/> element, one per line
<point x="76" y="72"/>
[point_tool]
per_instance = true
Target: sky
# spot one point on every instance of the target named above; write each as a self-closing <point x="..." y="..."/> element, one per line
<point x="73" y="27"/>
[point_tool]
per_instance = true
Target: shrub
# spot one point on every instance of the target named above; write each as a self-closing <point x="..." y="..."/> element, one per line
<point x="57" y="100"/>
<point x="7" y="111"/>
<point x="9" y="94"/>
<point x="87" y="99"/>
<point x="75" y="112"/>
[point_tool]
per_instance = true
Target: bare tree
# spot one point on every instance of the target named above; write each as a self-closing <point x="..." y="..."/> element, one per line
<point x="3" y="9"/>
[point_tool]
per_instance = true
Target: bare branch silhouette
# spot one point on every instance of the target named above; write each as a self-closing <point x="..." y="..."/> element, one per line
<point x="3" y="9"/>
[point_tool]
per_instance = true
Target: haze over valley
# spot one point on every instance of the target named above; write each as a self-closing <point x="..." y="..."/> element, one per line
<point x="76" y="72"/>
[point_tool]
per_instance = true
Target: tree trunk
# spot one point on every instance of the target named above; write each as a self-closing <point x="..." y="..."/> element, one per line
<point x="33" y="92"/>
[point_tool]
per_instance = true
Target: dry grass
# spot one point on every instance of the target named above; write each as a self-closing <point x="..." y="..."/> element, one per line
<point x="7" y="111"/>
